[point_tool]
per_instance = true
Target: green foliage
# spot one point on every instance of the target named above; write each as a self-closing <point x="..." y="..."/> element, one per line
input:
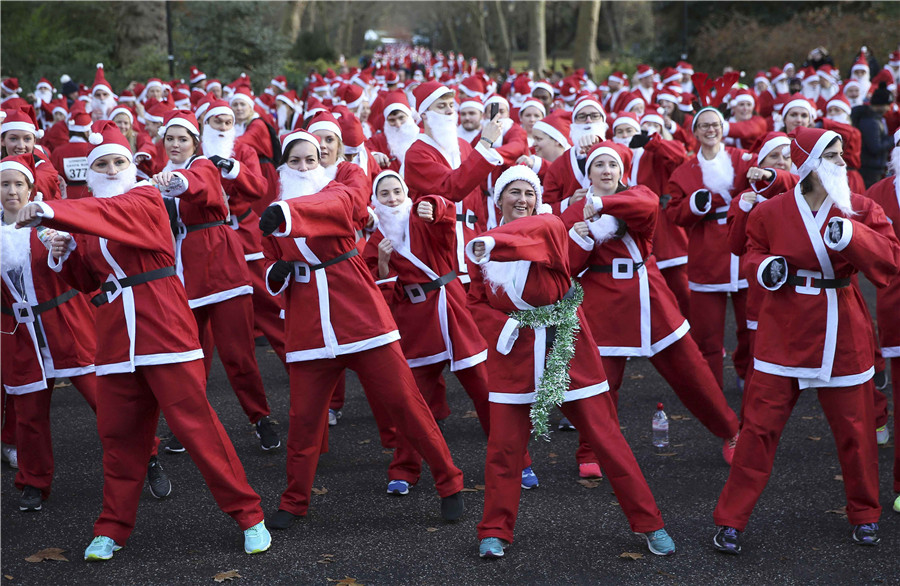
<point x="311" y="46"/>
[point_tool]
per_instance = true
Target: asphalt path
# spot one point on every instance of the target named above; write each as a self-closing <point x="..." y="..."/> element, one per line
<point x="567" y="533"/>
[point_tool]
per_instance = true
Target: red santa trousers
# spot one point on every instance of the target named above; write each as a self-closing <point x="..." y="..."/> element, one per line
<point x="387" y="380"/>
<point x="596" y="418"/>
<point x="8" y="429"/>
<point x="266" y="309"/>
<point x="33" y="438"/>
<point x="895" y="384"/>
<point x="683" y="367"/>
<point x="128" y="407"/>
<point x="769" y="404"/>
<point x="231" y="325"/>
<point x="677" y="279"/>
<point x="708" y="329"/>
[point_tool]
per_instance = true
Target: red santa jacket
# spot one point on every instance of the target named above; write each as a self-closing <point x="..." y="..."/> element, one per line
<point x="329" y="310"/>
<point x="116" y="238"/>
<point x="55" y="136"/>
<point x="745" y="134"/>
<point x="711" y="266"/>
<point x="435" y="325"/>
<point x="58" y="341"/>
<point x="243" y="185"/>
<point x="256" y="135"/>
<point x="71" y="160"/>
<point x="379" y="144"/>
<point x="564" y="177"/>
<point x="886" y="193"/>
<point x="539" y="248"/>
<point x="821" y="336"/>
<point x="46" y="179"/>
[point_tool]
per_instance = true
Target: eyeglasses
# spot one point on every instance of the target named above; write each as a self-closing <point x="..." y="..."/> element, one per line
<point x="584" y="117"/>
<point x="710" y="126"/>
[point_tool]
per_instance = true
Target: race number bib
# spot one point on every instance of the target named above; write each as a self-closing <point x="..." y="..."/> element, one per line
<point x="75" y="168"/>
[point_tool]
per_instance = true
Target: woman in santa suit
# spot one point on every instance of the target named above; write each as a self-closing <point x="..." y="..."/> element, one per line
<point x="525" y="303"/>
<point x="336" y="318"/>
<point x="255" y="132"/>
<point x="210" y="262"/>
<point x="745" y="126"/>
<point x="614" y="257"/>
<point x="148" y="356"/>
<point x="411" y="257"/>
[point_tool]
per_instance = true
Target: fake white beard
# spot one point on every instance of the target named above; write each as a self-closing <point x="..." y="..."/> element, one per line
<point x="400" y="139"/>
<point x="443" y="131"/>
<point x="103" y="186"/>
<point x="603" y="229"/>
<point x="718" y="174"/>
<point x="594" y="128"/>
<point x="781" y="86"/>
<point x="104" y="106"/>
<point x="828" y="92"/>
<point x="394" y="221"/>
<point x="622" y="140"/>
<point x="217" y="143"/>
<point x="834" y="180"/>
<point x="498" y="274"/>
<point x="467" y="135"/>
<point x="284" y="115"/>
<point x="299" y="183"/>
<point x="44" y="95"/>
<point x="811" y="93"/>
<point x="505" y="125"/>
<point x="330" y="172"/>
<point x="857" y="101"/>
<point x="16" y="247"/>
<point x="895" y="165"/>
<point x="843" y="118"/>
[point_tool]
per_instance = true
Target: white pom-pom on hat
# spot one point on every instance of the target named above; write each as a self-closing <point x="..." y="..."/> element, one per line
<point x="39" y="133"/>
<point x="99" y="66"/>
<point x="65" y="78"/>
<point x="95" y="138"/>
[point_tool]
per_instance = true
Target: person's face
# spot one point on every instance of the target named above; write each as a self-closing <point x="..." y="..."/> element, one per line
<point x="502" y="110"/>
<point x="544" y="96"/>
<point x="222" y="122"/>
<point x="217" y="91"/>
<point x="824" y="83"/>
<point x="123" y="122"/>
<point x="59" y="116"/>
<point x="777" y="159"/>
<point x="545" y="147"/>
<point x="647" y="81"/>
<point x="517" y="200"/>
<point x="835" y="154"/>
<point x="796" y="117"/>
<point x="390" y="192"/>
<point x="302" y="156"/>
<point x="708" y="130"/>
<point x="445" y="105"/>
<point x="743" y="110"/>
<point x="397" y="118"/>
<point x="14" y="191"/>
<point x="667" y="106"/>
<point x="638" y="108"/>
<point x="761" y="86"/>
<point x="625" y="131"/>
<point x="242" y="110"/>
<point x="852" y="92"/>
<point x="605" y="174"/>
<point x="155" y="92"/>
<point x="614" y="86"/>
<point x="18" y="142"/>
<point x="329" y="143"/>
<point x="152" y="128"/>
<point x="651" y="127"/>
<point x="470" y="118"/>
<point x="834" y="112"/>
<point x="101" y="94"/>
<point x="528" y="117"/>
<point x="363" y="111"/>
<point x="179" y="144"/>
<point x="587" y="115"/>
<point x="110" y="164"/>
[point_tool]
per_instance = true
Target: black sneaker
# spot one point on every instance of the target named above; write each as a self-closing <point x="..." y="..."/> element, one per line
<point x="566" y="425"/>
<point x="173" y="446"/>
<point x="160" y="485"/>
<point x="728" y="540"/>
<point x="268" y="439"/>
<point x="281" y="520"/>
<point x="452" y="507"/>
<point x="880" y="380"/>
<point x="866" y="534"/>
<point x="31" y="500"/>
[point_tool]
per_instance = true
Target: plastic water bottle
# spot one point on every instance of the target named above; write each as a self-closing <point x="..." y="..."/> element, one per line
<point x="660" y="427"/>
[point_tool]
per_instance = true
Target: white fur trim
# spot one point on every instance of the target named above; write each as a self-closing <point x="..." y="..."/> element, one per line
<point x="745" y="206"/>
<point x="325" y="125"/>
<point x="17" y="166"/>
<point x="846" y="234"/>
<point x="508" y="336"/>
<point x="552" y="133"/>
<point x="765" y="265"/>
<point x="489" y="244"/>
<point x="693" y="203"/>
<point x="584" y="242"/>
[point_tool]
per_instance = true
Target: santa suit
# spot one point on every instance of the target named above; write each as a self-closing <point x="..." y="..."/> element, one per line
<point x="621" y="273"/>
<point x="55" y="136"/>
<point x="352" y="328"/>
<point x="148" y="356"/>
<point x="429" y="170"/>
<point x="744" y="134"/>
<point x="435" y="327"/>
<point x="538" y="247"/>
<point x="886" y="193"/>
<point x="813" y="332"/>
<point x="256" y="136"/>
<point x="511" y="145"/>
<point x="379" y="144"/>
<point x="52" y="338"/>
<point x="713" y="272"/>
<point x="71" y="160"/>
<point x="565" y="175"/>
<point x="46" y="179"/>
<point x="852" y="142"/>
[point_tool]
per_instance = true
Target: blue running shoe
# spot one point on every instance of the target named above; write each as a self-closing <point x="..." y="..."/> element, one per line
<point x="492" y="547"/>
<point x="529" y="479"/>
<point x="659" y="542"/>
<point x="728" y="540"/>
<point x="866" y="534"/>
<point x="257" y="539"/>
<point x="398" y="487"/>
<point x="101" y="548"/>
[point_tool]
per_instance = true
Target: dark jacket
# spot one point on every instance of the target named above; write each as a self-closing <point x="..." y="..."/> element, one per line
<point x="876" y="142"/>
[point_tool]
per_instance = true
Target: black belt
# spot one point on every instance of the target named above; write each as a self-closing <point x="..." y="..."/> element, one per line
<point x="798" y="281"/>
<point x="195" y="227"/>
<point x="234" y="221"/>
<point x="119" y="284"/>
<point x="417" y="291"/>
<point x="303" y="269"/>
<point x="712" y="216"/>
<point x="550" y="331"/>
<point x="25" y="313"/>
<point x="462" y="217"/>
<point x="620" y="270"/>
<point x="264" y="160"/>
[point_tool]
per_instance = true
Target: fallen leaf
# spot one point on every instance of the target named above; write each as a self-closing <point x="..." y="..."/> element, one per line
<point x="470" y="415"/>
<point x="666" y="454"/>
<point x="589" y="483"/>
<point x="479" y="487"/>
<point x="807" y="417"/>
<point x="270" y="351"/>
<point x="552" y="455"/>
<point x="365" y="441"/>
<point x="62" y="385"/>
<point x="319" y="491"/>
<point x="679" y="418"/>
<point x="631" y="556"/>
<point x="51" y="553"/>
<point x="814" y="438"/>
<point x="229" y="575"/>
<point x="666" y="574"/>
<point x="842" y="511"/>
<point x="636" y="377"/>
<point x="387" y="451"/>
<point x="7" y="576"/>
<point x="431" y="529"/>
<point x="345" y="581"/>
<point x="468" y="490"/>
<point x="839" y="477"/>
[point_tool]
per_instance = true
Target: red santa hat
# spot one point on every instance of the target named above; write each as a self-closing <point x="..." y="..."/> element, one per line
<point x="894" y="59"/>
<point x="196" y="75"/>
<point x="292" y="137"/>
<point x="743" y="96"/>
<point x="391" y="77"/>
<point x="839" y="101"/>
<point x="772" y="141"/>
<point x="181" y="99"/>
<point x="11" y="85"/>
<point x="100" y="81"/>
<point x="861" y="64"/>
<point x="522" y="85"/>
<point x="776" y="74"/>
<point x="568" y="90"/>
<point x="428" y="93"/>
<point x="643" y="71"/>
<point x="156" y="112"/>
<point x="670" y="93"/>
<point x="621" y="153"/>
<point x="107" y="140"/>
<point x="217" y="108"/>
<point x="799" y="101"/>
<point x="351" y="94"/>
<point x="684" y="68"/>
<point x="626" y="119"/>
<point x="23" y="119"/>
<point x="288" y="98"/>
<point x="761" y="78"/>
<point x="243" y="93"/>
<point x="653" y="116"/>
<point x="24" y="164"/>
<point x="44" y="84"/>
<point x="351" y="129"/>
<point x="807" y="148"/>
<point x="213" y="83"/>
<point x="280" y="82"/>
<point x="396" y="101"/>
<point x="473" y="87"/>
<point x="618" y="77"/>
<point x="183" y="118"/>
<point x="121" y="109"/>
<point x="808" y="76"/>
<point x="325" y="121"/>
<point x="851" y="83"/>
<point x="583" y="102"/>
<point x="520" y="173"/>
<point x="58" y="105"/>
<point x="533" y="103"/>
<point x="557" y="127"/>
<point x="828" y="73"/>
<point x="543" y="85"/>
<point x="670" y="75"/>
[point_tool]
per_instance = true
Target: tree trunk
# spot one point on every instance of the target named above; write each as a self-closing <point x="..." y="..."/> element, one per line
<point x="504" y="48"/>
<point x="293" y="19"/>
<point x="483" y="49"/>
<point x="585" y="48"/>
<point x="134" y="38"/>
<point x="311" y="21"/>
<point x="537" y="37"/>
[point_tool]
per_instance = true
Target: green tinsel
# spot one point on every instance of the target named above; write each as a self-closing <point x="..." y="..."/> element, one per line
<point x="555" y="378"/>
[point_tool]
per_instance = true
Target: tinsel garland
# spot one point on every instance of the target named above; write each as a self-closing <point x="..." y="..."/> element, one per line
<point x="555" y="378"/>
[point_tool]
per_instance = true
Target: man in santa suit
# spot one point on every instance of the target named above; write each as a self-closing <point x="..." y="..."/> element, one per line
<point x="256" y="133"/>
<point x="745" y="127"/>
<point x="57" y="133"/>
<point x="471" y="113"/>
<point x="354" y="140"/>
<point x="686" y="70"/>
<point x="316" y="264"/>
<point x="804" y="247"/>
<point x="102" y="99"/>
<point x="441" y="163"/>
<point x="400" y="131"/>
<point x="71" y="157"/>
<point x="646" y="88"/>
<point x="701" y="189"/>
<point x="18" y="133"/>
<point x="617" y="90"/>
<point x="148" y="356"/>
<point x="886" y="193"/>
<point x="513" y="141"/>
